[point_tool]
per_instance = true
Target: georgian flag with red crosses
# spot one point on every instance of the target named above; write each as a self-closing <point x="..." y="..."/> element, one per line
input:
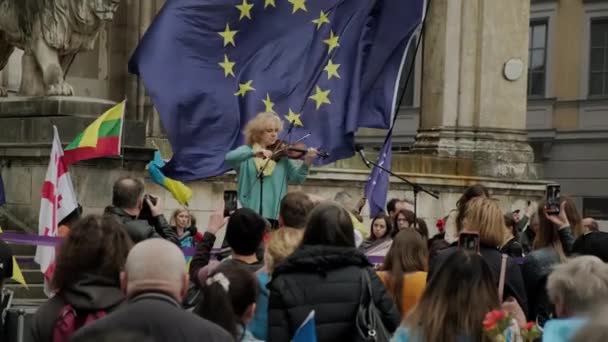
<point x="57" y="201"/>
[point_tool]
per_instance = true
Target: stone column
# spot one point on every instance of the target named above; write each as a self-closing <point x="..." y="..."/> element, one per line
<point x="474" y="85"/>
<point x="140" y="106"/>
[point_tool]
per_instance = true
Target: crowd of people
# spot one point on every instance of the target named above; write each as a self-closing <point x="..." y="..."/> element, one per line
<point x="123" y="276"/>
<point x="485" y="276"/>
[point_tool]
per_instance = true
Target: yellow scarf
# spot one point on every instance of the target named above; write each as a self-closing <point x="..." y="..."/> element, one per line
<point x="260" y="162"/>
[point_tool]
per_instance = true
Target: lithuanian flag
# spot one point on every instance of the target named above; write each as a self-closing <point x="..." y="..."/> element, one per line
<point x="102" y="137"/>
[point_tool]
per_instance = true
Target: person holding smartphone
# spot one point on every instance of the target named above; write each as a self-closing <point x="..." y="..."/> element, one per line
<point x="482" y="233"/>
<point x="256" y="168"/>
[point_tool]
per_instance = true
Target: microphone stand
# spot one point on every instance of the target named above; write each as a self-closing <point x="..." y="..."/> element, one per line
<point x="415" y="187"/>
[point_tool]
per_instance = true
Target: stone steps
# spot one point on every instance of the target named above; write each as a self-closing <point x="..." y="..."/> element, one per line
<point x="31" y="273"/>
<point x="33" y="292"/>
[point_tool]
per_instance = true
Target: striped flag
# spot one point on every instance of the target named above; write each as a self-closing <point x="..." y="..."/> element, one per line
<point x="57" y="201"/>
<point x="101" y="138"/>
<point x="180" y="191"/>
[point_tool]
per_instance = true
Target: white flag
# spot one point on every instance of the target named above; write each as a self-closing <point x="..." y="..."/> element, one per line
<point x="57" y="201"/>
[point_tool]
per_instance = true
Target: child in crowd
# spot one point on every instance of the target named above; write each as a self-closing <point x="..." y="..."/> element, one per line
<point x="229" y="296"/>
<point x="404" y="271"/>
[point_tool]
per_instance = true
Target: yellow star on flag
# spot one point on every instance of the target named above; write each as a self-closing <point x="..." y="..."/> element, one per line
<point x="228" y="36"/>
<point x="323" y="19"/>
<point x="244" y="88"/>
<point x="332" y="69"/>
<point x="321" y="97"/>
<point x="332" y="41"/>
<point x="245" y="9"/>
<point x="269" y="3"/>
<point x="268" y="103"/>
<point x="294" y="118"/>
<point x="298" y="5"/>
<point x="227" y="65"/>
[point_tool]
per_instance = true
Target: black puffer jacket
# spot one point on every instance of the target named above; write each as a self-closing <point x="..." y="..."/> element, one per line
<point x="326" y="279"/>
<point x="536" y="270"/>
<point x="140" y="230"/>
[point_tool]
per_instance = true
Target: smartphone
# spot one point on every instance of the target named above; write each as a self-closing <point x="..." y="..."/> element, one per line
<point x="553" y="199"/>
<point x="469" y="241"/>
<point x="230" y="202"/>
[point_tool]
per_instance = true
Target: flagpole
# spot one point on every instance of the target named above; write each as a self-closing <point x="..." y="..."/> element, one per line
<point x="122" y="126"/>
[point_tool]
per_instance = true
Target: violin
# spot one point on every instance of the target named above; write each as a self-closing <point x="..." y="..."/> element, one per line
<point x="283" y="149"/>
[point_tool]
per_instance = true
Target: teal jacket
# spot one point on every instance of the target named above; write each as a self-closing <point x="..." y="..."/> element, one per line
<point x="275" y="186"/>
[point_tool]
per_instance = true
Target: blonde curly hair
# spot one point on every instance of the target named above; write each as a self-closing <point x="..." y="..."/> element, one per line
<point x="256" y="126"/>
<point x="281" y="244"/>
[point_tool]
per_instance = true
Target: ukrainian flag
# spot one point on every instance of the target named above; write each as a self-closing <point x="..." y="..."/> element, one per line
<point x="179" y="190"/>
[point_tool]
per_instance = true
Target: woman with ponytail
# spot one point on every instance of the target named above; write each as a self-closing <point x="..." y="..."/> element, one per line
<point x="229" y="295"/>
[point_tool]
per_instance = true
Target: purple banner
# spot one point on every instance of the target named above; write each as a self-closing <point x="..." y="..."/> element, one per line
<point x="38" y="240"/>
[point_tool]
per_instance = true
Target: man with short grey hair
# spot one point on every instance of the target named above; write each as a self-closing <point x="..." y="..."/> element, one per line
<point x="155" y="282"/>
<point x="577" y="286"/>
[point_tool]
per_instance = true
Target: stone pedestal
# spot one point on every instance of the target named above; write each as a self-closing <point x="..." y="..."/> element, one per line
<point x="28" y="121"/>
<point x="25" y="146"/>
<point x="469" y="108"/>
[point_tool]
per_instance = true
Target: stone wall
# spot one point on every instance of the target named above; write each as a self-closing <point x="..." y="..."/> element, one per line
<point x="93" y="185"/>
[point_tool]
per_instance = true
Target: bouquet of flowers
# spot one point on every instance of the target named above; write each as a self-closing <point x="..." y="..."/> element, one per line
<point x="497" y="326"/>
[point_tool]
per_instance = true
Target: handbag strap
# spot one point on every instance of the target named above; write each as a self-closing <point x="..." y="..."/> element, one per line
<point x="501" y="278"/>
<point x="366" y="284"/>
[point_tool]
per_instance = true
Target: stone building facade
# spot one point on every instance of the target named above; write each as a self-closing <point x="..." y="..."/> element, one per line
<point x="102" y="73"/>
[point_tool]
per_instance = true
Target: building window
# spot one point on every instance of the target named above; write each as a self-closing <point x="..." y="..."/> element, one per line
<point x="537" y="53"/>
<point x="598" y="58"/>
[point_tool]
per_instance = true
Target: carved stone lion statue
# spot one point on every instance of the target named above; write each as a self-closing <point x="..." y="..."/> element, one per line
<point x="51" y="33"/>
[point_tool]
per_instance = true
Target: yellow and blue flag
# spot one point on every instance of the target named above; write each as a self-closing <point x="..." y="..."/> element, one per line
<point x="179" y="190"/>
<point x="327" y="66"/>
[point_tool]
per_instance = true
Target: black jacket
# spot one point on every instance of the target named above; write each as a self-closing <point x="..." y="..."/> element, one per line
<point x="140" y="230"/>
<point x="514" y="283"/>
<point x="536" y="270"/>
<point x="89" y="294"/>
<point x="157" y="316"/>
<point x="202" y="257"/>
<point x="326" y="279"/>
<point x="513" y="249"/>
<point x="526" y="239"/>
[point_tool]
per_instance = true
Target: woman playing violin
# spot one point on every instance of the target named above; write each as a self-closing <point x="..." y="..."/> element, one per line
<point x="261" y="133"/>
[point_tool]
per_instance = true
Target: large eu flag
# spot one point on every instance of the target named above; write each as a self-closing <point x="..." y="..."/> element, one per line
<point x="328" y="66"/>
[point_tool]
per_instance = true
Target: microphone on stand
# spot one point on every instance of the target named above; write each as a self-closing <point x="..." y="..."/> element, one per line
<point x="359" y="149"/>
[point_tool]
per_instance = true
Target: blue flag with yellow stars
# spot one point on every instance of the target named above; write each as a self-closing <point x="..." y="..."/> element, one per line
<point x="328" y="66"/>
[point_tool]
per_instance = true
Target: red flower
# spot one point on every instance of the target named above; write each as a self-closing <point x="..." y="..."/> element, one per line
<point x="529" y="325"/>
<point x="493" y="318"/>
<point x="440" y="225"/>
<point x="489" y="324"/>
